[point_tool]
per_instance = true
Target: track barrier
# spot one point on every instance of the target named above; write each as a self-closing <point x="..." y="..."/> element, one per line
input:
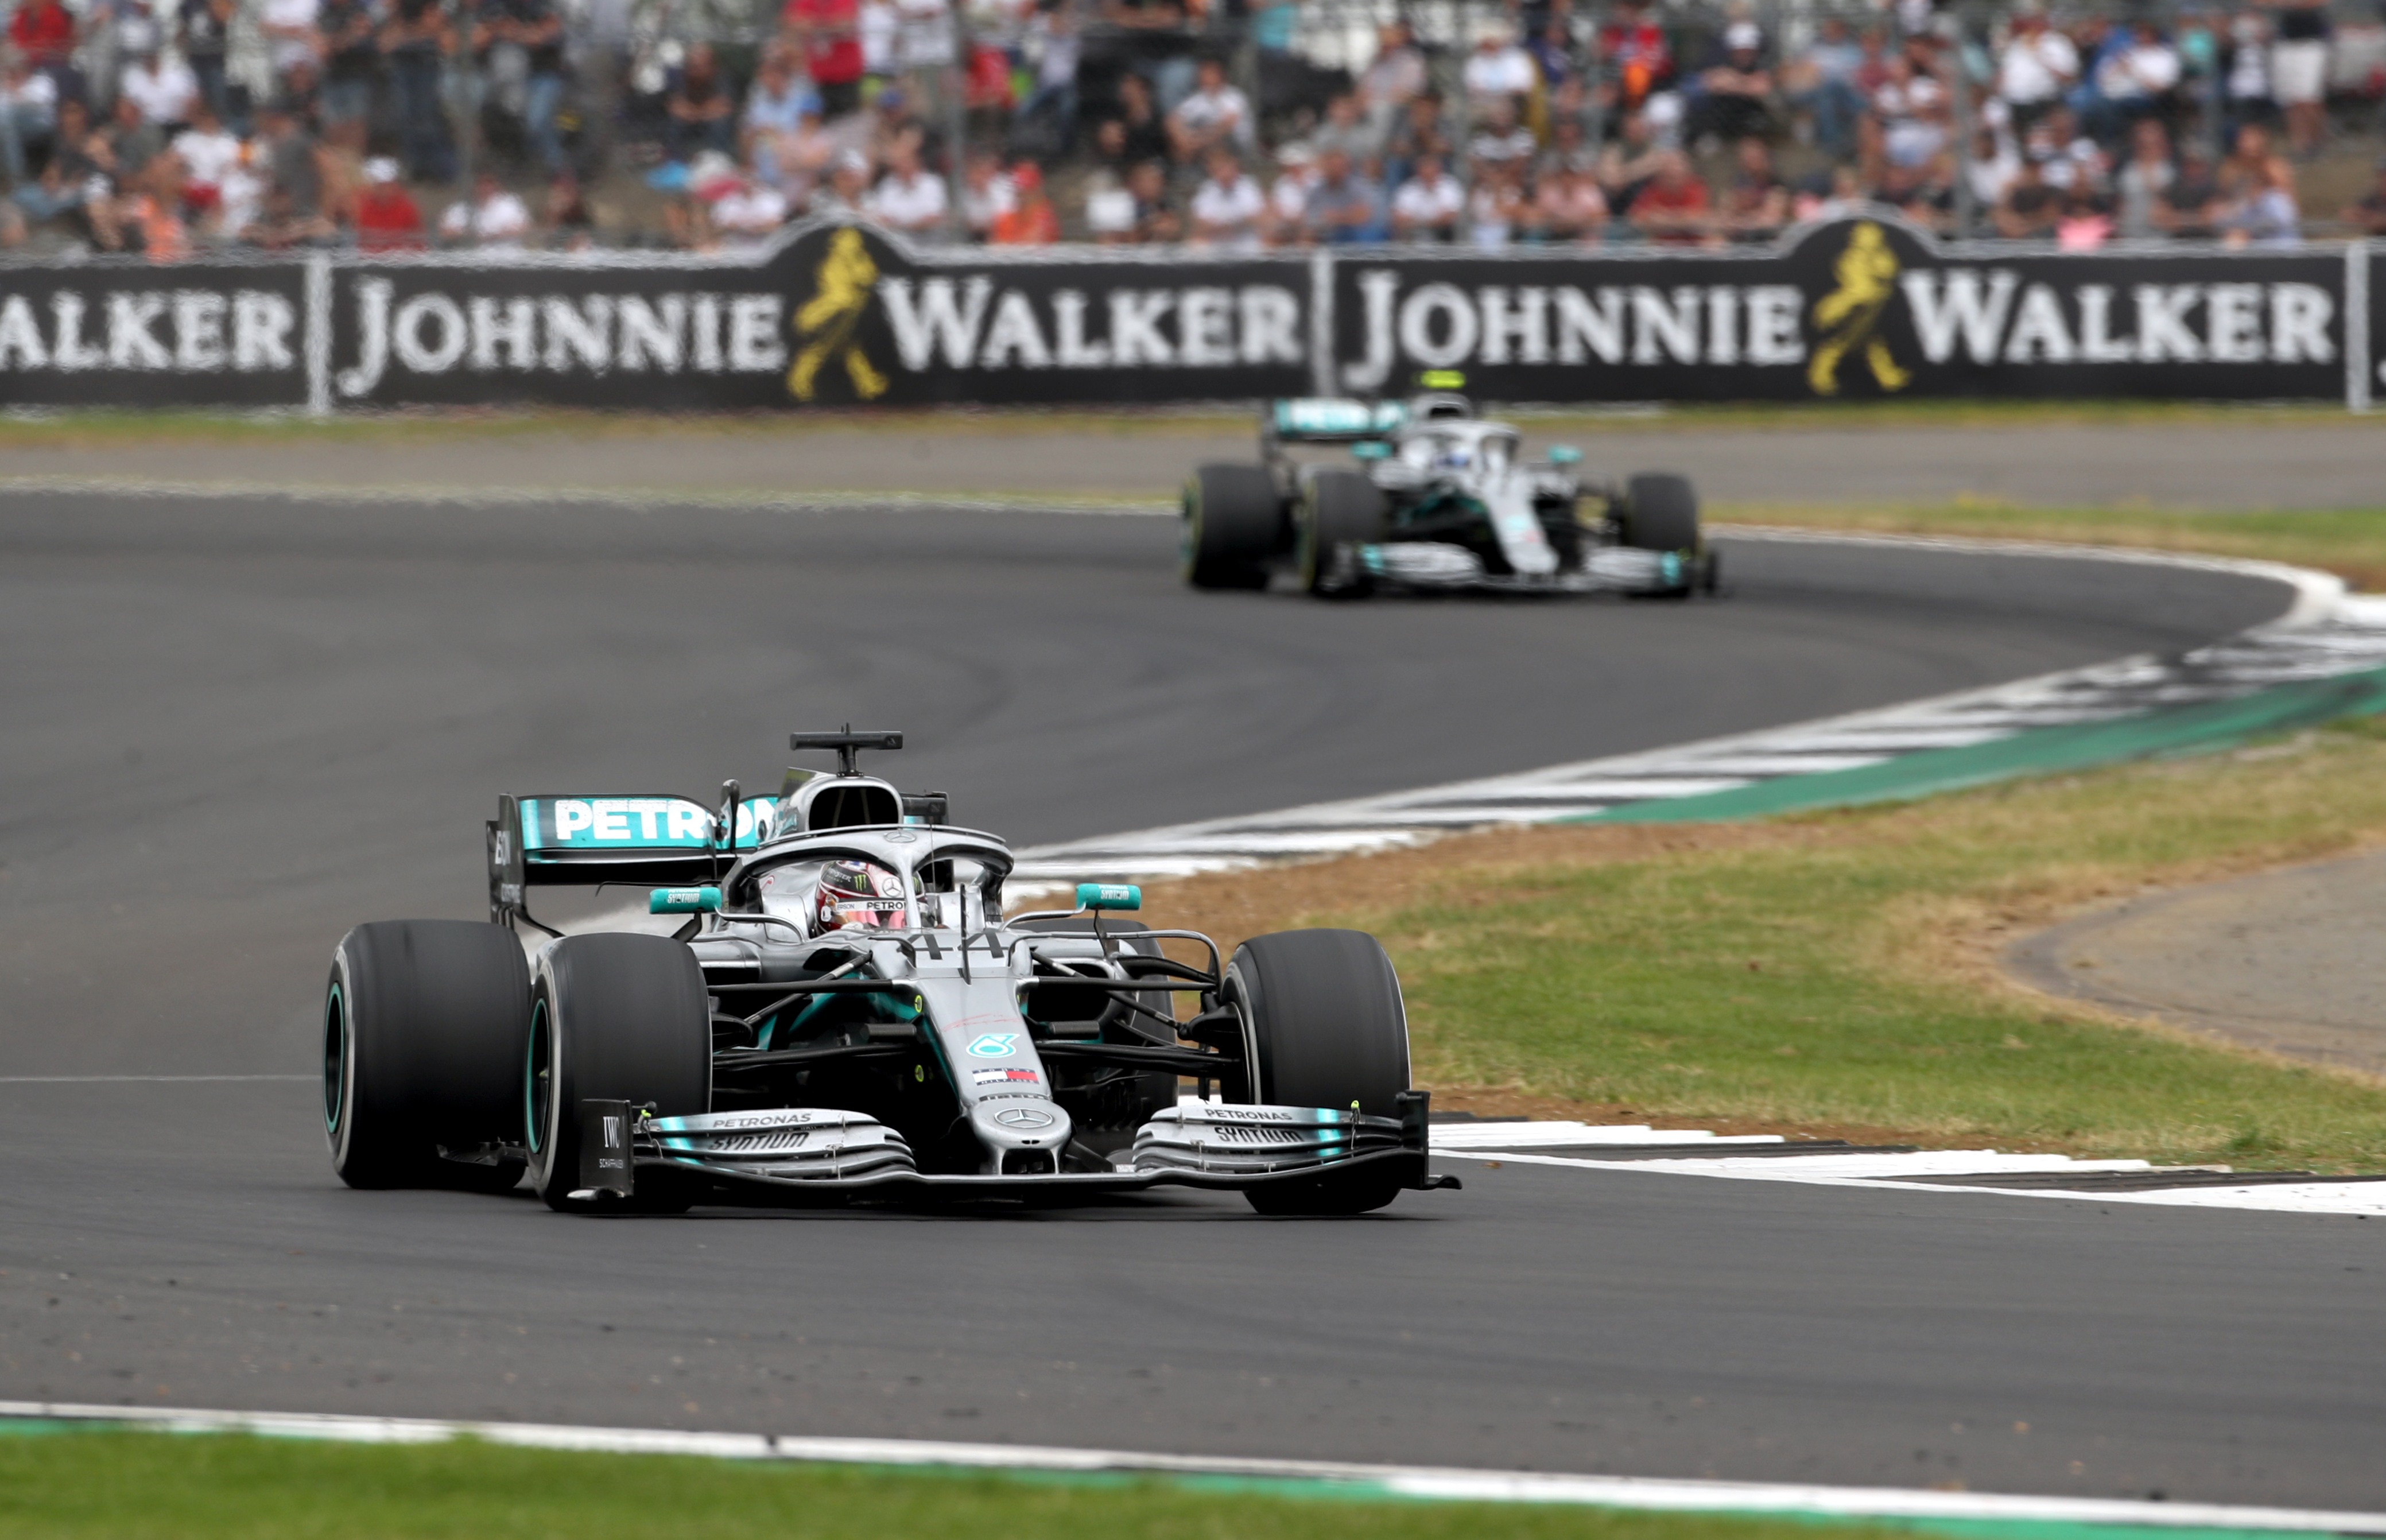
<point x="834" y="315"/>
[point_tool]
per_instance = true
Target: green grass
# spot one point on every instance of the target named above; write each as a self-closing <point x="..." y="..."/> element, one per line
<point x="134" y="1485"/>
<point x="1838" y="972"/>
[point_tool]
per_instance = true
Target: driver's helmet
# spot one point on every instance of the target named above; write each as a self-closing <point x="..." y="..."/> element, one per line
<point x="1452" y="455"/>
<point x="858" y="893"/>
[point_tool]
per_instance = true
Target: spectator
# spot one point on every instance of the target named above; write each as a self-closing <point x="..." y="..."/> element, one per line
<point x="828" y="34"/>
<point x="2253" y="165"/>
<point x="1821" y="82"/>
<point x="2072" y="159"/>
<point x="1671" y="208"/>
<point x="2190" y="209"/>
<point x="67" y="178"/>
<point x="776" y="103"/>
<point x="2299" y="74"/>
<point x="152" y="217"/>
<point x="2031" y="208"/>
<point x="43" y="33"/>
<point x="1157" y="221"/>
<point x="128" y="142"/>
<point x="494" y="217"/>
<point x="1735" y="89"/>
<point x="1498" y="68"/>
<point x="1755" y="207"/>
<point x="1031" y="220"/>
<point x="1346" y="129"/>
<point x="209" y="153"/>
<point x="1051" y="113"/>
<point x="2248" y="80"/>
<point x="1629" y="161"/>
<point x="1634" y="48"/>
<point x="1992" y="167"/>
<point x="1910" y="191"/>
<point x="2262" y="211"/>
<point x="1146" y="131"/>
<point x="986" y="194"/>
<point x="1569" y="205"/>
<point x="1395" y="78"/>
<point x="2037" y="67"/>
<point x="2137" y="80"/>
<point x="1228" y="207"/>
<point x="2087" y="221"/>
<point x="282" y="225"/>
<point x="1417" y="132"/>
<point x="749" y="214"/>
<point x="907" y="198"/>
<point x="2143" y="179"/>
<point x="287" y="158"/>
<point x="879" y="25"/>
<point x="1567" y="149"/>
<point x="2367" y="216"/>
<point x="531" y="32"/>
<point x="1345" y="207"/>
<point x="1554" y="51"/>
<point x="203" y="32"/>
<point x="1497" y="206"/>
<point x="925" y="46"/>
<point x="700" y="107"/>
<point x="292" y="38"/>
<point x="415" y="38"/>
<point x="1216" y="114"/>
<point x="164" y="87"/>
<point x="1502" y="141"/>
<point x="566" y="217"/>
<point x="387" y="217"/>
<point x="1911" y="111"/>
<point x="848" y="193"/>
<point x="29" y="117"/>
<point x="351" y="49"/>
<point x="1288" y="210"/>
<point x="1426" y="206"/>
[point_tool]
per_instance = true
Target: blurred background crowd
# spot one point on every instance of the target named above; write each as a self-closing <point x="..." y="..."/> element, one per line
<point x="169" y="127"/>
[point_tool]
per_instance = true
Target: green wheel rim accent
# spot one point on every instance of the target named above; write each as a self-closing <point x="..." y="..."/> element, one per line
<point x="536" y="1073"/>
<point x="335" y="1060"/>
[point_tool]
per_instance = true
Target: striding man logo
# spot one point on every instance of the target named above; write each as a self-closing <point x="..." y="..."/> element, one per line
<point x="841" y="291"/>
<point x="1849" y="316"/>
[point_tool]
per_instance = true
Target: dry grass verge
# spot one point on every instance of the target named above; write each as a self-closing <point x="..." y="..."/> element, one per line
<point x="1834" y="974"/>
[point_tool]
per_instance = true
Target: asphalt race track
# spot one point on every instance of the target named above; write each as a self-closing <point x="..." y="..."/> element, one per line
<point x="234" y="729"/>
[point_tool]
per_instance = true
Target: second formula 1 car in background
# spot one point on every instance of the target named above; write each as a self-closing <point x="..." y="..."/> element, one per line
<point x="1441" y="499"/>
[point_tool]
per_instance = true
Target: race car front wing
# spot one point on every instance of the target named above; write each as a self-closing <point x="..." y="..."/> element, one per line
<point x="1195" y="1143"/>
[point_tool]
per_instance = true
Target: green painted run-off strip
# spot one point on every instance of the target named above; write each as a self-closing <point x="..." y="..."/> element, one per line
<point x="2201" y="728"/>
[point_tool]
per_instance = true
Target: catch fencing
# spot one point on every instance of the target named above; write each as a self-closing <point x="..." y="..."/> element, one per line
<point x="841" y="316"/>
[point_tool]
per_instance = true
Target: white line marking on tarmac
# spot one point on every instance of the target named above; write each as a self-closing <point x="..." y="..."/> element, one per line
<point x="1532" y="1144"/>
<point x="1441" y="1484"/>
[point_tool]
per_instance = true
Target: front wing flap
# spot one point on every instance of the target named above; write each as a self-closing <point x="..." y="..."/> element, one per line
<point x="1194" y="1144"/>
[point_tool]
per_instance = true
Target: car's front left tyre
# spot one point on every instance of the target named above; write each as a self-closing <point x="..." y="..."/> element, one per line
<point x="423" y="1026"/>
<point x="614" y="1017"/>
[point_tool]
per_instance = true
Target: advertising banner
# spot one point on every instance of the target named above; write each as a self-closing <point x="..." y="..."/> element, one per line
<point x="840" y="316"/>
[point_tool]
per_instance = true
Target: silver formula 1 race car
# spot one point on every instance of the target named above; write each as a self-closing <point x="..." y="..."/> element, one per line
<point x="848" y="1007"/>
<point x="1441" y="498"/>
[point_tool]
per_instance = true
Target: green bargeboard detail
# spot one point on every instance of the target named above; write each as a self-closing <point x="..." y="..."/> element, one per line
<point x="2204" y="728"/>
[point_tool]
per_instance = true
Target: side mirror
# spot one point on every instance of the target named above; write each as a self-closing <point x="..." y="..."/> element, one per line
<point x="1108" y="896"/>
<point x="1564" y="454"/>
<point x="1371" y="449"/>
<point x="703" y="900"/>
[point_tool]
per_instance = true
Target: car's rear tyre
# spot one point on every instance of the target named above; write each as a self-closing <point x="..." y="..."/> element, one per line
<point x="1324" y="1026"/>
<point x="423" y="1027"/>
<point x="1234" y="522"/>
<point x="613" y="1018"/>
<point x="1339" y="509"/>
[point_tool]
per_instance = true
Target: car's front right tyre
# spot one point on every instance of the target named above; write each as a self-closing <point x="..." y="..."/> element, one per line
<point x="614" y="1017"/>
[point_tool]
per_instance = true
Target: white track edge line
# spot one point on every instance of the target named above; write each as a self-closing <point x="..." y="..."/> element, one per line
<point x="1448" y="1484"/>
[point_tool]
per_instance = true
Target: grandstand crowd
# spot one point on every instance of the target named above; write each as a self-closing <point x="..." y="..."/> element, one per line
<point x="169" y="127"/>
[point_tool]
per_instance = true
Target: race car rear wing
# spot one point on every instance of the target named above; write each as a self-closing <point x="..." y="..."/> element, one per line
<point x="1329" y="420"/>
<point x="554" y="841"/>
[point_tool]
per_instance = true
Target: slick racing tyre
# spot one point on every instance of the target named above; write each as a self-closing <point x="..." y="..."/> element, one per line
<point x="1234" y="522"/>
<point x="1339" y="509"/>
<point x="423" y="1027"/>
<point x="613" y="1018"/>
<point x="1324" y="1027"/>
<point x="1661" y="513"/>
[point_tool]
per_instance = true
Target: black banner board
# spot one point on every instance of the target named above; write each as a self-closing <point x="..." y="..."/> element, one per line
<point x="837" y="316"/>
